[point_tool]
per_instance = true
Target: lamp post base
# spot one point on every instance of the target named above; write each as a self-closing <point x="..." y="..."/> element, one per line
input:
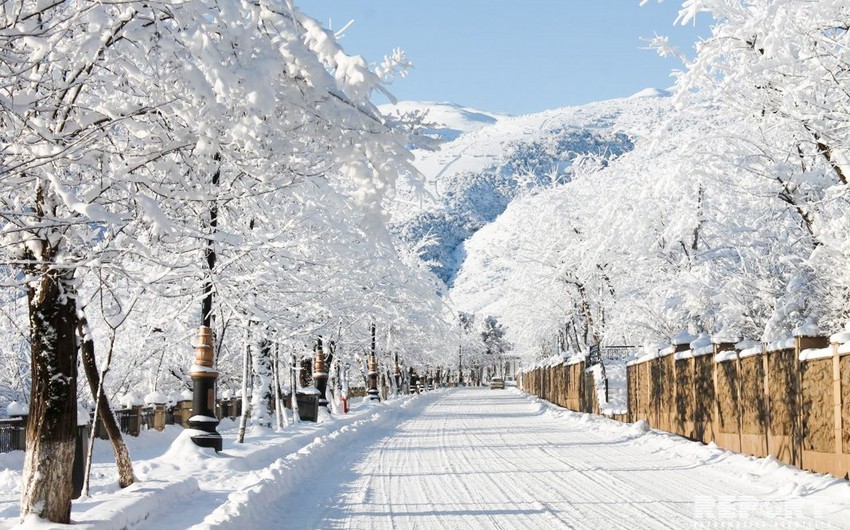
<point x="210" y="440"/>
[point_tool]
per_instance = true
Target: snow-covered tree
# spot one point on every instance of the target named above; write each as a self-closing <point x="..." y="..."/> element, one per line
<point x="140" y="136"/>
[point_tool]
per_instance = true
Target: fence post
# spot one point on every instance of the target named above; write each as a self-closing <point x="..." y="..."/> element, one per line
<point x="806" y="415"/>
<point x="836" y="398"/>
<point x="159" y="416"/>
<point x="22" y="432"/>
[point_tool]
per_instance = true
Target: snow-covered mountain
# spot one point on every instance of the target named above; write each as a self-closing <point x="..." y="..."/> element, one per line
<point x="495" y="158"/>
<point x="447" y="121"/>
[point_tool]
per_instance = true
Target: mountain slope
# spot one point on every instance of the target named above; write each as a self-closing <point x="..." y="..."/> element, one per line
<point x="475" y="176"/>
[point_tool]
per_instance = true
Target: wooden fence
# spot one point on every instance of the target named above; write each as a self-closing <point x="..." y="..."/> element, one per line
<point x="134" y="420"/>
<point x="566" y="384"/>
<point x="790" y="400"/>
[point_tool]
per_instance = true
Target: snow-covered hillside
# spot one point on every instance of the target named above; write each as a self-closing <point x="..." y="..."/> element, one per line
<point x="447" y="121"/>
<point x="498" y="158"/>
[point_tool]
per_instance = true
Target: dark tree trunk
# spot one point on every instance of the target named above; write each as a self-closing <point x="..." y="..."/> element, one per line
<point x="104" y="413"/>
<point x="211" y="256"/>
<point x="46" y="488"/>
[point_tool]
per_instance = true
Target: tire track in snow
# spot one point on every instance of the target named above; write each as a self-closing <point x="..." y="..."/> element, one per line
<point x="486" y="459"/>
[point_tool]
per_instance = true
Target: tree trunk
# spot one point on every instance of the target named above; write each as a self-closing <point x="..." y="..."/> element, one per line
<point x="243" y="419"/>
<point x="51" y="431"/>
<point x="262" y="388"/>
<point x="104" y="412"/>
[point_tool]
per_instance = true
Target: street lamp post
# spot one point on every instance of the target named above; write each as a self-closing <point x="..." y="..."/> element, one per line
<point x="372" y="365"/>
<point x="204" y="374"/>
<point x="397" y="375"/>
<point x="320" y="374"/>
<point x="460" y="366"/>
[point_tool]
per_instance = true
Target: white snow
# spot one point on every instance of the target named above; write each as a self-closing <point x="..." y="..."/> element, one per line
<point x="815" y="353"/>
<point x="683" y="337"/>
<point x="462" y="458"/>
<point x="727" y="355"/>
<point x="840" y="338"/>
<point x="82" y="414"/>
<point x="130" y="399"/>
<point x="197" y="368"/>
<point x="201" y="417"/>
<point x="751" y="351"/>
<point x="17" y="409"/>
<point x="808" y="329"/>
<point x="449" y="120"/>
<point x="785" y="344"/>
<point x="156" y="397"/>
<point x="650" y="93"/>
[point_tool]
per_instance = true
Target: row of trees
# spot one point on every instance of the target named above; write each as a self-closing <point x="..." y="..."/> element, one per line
<point x="167" y="164"/>
<point x="732" y="218"/>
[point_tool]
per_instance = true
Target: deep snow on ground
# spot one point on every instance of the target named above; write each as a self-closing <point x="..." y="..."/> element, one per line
<point x="463" y="458"/>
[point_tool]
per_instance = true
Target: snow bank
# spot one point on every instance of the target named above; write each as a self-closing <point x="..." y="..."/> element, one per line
<point x="824" y="495"/>
<point x="135" y="503"/>
<point x="244" y="508"/>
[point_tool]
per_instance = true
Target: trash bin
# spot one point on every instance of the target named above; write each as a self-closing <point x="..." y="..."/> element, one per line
<point x="308" y="405"/>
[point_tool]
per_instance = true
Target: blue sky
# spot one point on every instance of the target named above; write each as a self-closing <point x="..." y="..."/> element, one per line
<point x="513" y="56"/>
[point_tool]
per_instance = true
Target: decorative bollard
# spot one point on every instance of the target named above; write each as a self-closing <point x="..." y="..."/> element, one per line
<point x="397" y="375"/>
<point x="204" y="374"/>
<point x="373" y="392"/>
<point x="372" y="365"/>
<point x="320" y="374"/>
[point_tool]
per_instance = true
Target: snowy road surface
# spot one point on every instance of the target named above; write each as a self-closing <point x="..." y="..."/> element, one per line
<point x="476" y="458"/>
<point x="451" y="459"/>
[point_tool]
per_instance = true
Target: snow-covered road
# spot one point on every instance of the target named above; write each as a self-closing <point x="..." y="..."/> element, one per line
<point x="476" y="458"/>
<point x="458" y="458"/>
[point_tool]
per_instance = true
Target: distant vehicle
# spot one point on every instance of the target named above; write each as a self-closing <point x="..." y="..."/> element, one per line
<point x="497" y="383"/>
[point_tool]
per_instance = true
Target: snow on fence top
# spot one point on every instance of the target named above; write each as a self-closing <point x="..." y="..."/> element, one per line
<point x="785" y="344"/>
<point x="748" y="348"/>
<point x="704" y="345"/>
<point x="130" y="399"/>
<point x="575" y="359"/>
<point x="155" y="398"/>
<point x="815" y="353"/>
<point x="700" y="346"/>
<point x="555" y="360"/>
<point x="808" y="330"/>
<point x="683" y="337"/>
<point x="726" y="355"/>
<point x="725" y="337"/>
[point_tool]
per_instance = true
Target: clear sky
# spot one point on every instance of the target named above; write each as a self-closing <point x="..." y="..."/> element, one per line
<point x="516" y="56"/>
